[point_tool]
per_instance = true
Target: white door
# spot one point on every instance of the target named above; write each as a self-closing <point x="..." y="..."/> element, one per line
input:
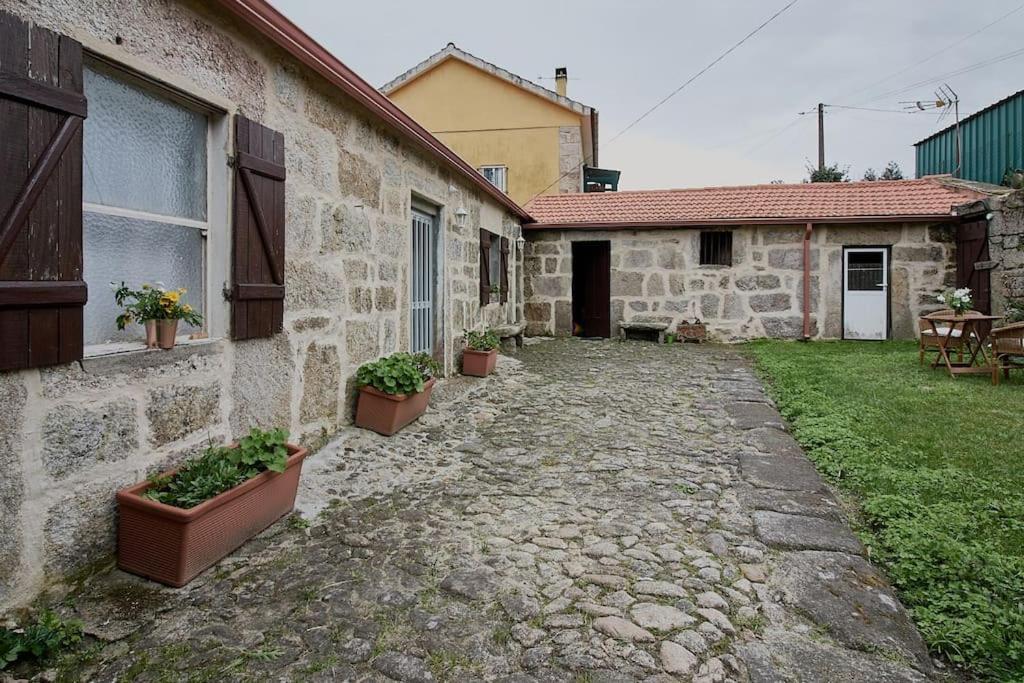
<point x="865" y="293"/>
<point x="423" y="282"/>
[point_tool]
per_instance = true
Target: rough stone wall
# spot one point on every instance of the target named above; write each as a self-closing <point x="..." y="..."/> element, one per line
<point x="1006" y="249"/>
<point x="72" y="435"/>
<point x="655" y="275"/>
<point x="570" y="159"/>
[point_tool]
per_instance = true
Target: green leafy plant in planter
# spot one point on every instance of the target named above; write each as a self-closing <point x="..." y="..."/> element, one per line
<point x="399" y="373"/>
<point x="481" y="341"/>
<point x="44" y="639"/>
<point x="221" y="468"/>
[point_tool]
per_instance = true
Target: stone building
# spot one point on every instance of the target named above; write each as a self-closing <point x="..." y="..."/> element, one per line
<point x="871" y="257"/>
<point x="371" y="229"/>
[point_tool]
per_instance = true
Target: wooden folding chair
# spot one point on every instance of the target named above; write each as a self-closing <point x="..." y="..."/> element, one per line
<point x="928" y="340"/>
<point x="1007" y="350"/>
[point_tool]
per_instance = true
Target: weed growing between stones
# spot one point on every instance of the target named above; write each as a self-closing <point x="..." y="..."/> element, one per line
<point x="445" y="665"/>
<point x="41" y="641"/>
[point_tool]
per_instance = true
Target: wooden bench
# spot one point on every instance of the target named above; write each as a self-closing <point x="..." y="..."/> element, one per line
<point x="511" y="336"/>
<point x="644" y="330"/>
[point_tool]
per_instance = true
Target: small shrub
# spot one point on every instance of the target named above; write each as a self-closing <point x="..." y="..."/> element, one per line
<point x="47" y="637"/>
<point x="481" y="341"/>
<point x="399" y="373"/>
<point x="221" y="468"/>
<point x="1014" y="311"/>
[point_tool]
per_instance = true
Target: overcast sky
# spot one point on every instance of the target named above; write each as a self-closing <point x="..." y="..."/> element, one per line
<point x="730" y="126"/>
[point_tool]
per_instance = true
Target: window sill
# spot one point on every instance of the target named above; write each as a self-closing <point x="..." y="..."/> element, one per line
<point x="105" y="359"/>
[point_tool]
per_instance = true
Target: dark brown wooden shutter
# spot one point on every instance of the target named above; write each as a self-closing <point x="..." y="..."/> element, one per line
<point x="485" y="267"/>
<point x="257" y="292"/>
<point x="504" y="269"/>
<point x="41" y="111"/>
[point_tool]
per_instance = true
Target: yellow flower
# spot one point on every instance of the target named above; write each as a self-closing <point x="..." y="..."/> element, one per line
<point x="182" y="290"/>
<point x="172" y="297"/>
<point x="186" y="308"/>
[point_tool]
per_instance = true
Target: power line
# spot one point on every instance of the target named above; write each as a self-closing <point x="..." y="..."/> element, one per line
<point x="937" y="53"/>
<point x="937" y="79"/>
<point x="676" y="91"/>
<point x="778" y="133"/>
<point x="702" y="71"/>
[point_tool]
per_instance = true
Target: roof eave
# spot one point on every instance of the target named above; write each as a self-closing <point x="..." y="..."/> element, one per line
<point x="792" y="220"/>
<point x="262" y="17"/>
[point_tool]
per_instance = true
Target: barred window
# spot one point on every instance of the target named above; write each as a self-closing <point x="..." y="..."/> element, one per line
<point x="716" y="249"/>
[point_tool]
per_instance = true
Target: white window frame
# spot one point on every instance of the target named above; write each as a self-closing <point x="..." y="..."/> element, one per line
<point x="216" y="248"/>
<point x="504" y="175"/>
<point x="494" y="264"/>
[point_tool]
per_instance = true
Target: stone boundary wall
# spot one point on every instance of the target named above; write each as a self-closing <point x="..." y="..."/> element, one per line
<point x="72" y="435"/>
<point x="1006" y="249"/>
<point x="655" y="275"/>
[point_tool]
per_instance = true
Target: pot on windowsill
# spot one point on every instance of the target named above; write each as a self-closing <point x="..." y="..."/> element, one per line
<point x="166" y="332"/>
<point x="150" y="326"/>
<point x="173" y="545"/>
<point x="479" y="363"/>
<point x="388" y="413"/>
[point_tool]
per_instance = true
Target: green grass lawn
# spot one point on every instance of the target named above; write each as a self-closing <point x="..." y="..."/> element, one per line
<point x="935" y="464"/>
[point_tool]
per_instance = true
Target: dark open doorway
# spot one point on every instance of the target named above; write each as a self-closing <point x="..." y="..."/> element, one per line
<point x="591" y="289"/>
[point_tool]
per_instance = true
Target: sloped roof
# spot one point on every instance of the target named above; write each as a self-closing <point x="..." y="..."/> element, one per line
<point x="264" y="18"/>
<point x="924" y="199"/>
<point x="450" y="51"/>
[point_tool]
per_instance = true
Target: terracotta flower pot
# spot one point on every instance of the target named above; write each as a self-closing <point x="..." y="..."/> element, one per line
<point x="388" y="413"/>
<point x="174" y="545"/>
<point x="479" y="363"/>
<point x="166" y="331"/>
<point x="150" y="326"/>
<point x="692" y="332"/>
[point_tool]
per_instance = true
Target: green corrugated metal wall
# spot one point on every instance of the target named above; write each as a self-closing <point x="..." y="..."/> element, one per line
<point x="993" y="143"/>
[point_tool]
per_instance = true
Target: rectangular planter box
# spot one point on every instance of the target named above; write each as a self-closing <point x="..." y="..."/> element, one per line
<point x="479" y="363"/>
<point x="388" y="413"/>
<point x="174" y="545"/>
<point x="696" y="332"/>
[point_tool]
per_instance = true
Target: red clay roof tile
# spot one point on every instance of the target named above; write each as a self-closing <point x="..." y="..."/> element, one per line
<point x="926" y="197"/>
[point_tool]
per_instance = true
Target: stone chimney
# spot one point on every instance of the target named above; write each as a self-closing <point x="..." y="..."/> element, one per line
<point x="561" y="80"/>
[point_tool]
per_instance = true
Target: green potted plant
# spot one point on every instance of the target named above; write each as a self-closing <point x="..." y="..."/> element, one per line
<point x="178" y="523"/>
<point x="158" y="309"/>
<point x="481" y="352"/>
<point x="394" y="391"/>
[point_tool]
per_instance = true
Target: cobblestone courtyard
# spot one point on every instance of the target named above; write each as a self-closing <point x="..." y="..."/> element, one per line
<point x="596" y="511"/>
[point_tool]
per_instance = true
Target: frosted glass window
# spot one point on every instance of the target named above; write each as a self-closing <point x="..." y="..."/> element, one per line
<point x="142" y="151"/>
<point x="494" y="258"/>
<point x="118" y="248"/>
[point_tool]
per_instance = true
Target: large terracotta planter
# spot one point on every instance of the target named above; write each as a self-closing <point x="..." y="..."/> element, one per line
<point x="150" y="326"/>
<point x="166" y="331"/>
<point x="388" y="413"/>
<point x="479" y="363"/>
<point x="696" y="332"/>
<point x="174" y="545"/>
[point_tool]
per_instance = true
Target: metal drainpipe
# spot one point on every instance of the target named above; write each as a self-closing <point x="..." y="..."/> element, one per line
<point x="807" y="280"/>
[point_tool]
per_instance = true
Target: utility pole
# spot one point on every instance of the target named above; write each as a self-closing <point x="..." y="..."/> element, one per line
<point x="821" y="137"/>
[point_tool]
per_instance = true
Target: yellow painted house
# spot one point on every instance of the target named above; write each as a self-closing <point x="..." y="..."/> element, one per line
<point x="527" y="140"/>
